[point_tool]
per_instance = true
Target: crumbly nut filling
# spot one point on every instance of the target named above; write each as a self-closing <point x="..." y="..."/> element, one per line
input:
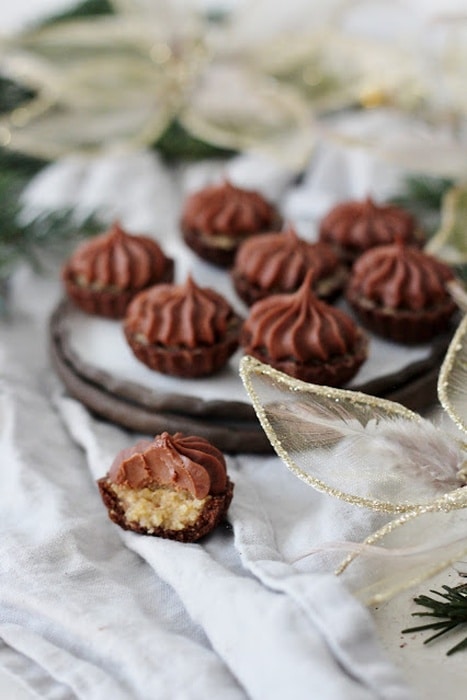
<point x="219" y="241"/>
<point x="159" y="507"/>
<point x="96" y="286"/>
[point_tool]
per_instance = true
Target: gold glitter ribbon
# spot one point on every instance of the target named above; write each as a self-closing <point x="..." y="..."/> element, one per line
<point x="379" y="455"/>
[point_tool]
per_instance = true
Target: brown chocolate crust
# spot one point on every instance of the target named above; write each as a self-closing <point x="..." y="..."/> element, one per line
<point x="103" y="302"/>
<point x="335" y="372"/>
<point x="218" y="218"/>
<point x="210" y="517"/>
<point x="186" y="362"/>
<point x="328" y="288"/>
<point x="401" y="293"/>
<point x="354" y="226"/>
<point x="207" y="249"/>
<point x="402" y="325"/>
<point x="278" y="262"/>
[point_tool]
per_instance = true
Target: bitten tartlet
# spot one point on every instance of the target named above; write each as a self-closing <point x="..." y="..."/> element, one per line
<point x="277" y="262"/>
<point x="216" y="219"/>
<point x="400" y="293"/>
<point x="182" y="330"/>
<point x="105" y="273"/>
<point x="174" y="486"/>
<point x="305" y="337"/>
<point x="356" y="226"/>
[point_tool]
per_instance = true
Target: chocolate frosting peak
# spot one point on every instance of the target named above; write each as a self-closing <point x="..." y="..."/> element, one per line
<point x="118" y="259"/>
<point x="180" y="315"/>
<point x="281" y="260"/>
<point x="363" y="224"/>
<point x="185" y="462"/>
<point x="227" y="210"/>
<point x="299" y="326"/>
<point x="401" y="277"/>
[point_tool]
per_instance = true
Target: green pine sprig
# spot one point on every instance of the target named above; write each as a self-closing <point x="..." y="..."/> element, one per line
<point x="86" y="8"/>
<point x="176" y="144"/>
<point x="424" y="191"/>
<point x="19" y="241"/>
<point x="422" y="195"/>
<point x="451" y="610"/>
<point x="27" y="241"/>
<point x="54" y="233"/>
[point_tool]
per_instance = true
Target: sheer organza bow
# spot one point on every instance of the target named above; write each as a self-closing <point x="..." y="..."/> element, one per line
<point x="379" y="455"/>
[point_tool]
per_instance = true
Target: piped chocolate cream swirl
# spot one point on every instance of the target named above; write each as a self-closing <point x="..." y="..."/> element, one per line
<point x="304" y="337"/>
<point x="401" y="293"/>
<point x="216" y="219"/>
<point x="184" y="330"/>
<point x="277" y="262"/>
<point x="401" y="277"/>
<point x="175" y="486"/>
<point x="180" y="461"/>
<point x="106" y="272"/>
<point x="355" y="226"/>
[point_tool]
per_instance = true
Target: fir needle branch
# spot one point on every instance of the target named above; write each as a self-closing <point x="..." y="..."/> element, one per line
<point x="429" y="626"/>
<point x="423" y="191"/>
<point x="446" y="628"/>
<point x="88" y="8"/>
<point x="452" y="607"/>
<point x="458" y="647"/>
<point x="422" y="196"/>
<point x="51" y="233"/>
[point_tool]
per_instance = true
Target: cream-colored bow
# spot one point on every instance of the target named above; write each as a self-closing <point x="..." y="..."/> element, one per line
<point x="255" y="80"/>
<point x="117" y="81"/>
<point x="379" y="455"/>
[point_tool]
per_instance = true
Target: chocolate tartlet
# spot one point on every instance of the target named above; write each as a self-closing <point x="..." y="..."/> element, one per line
<point x="305" y="337"/>
<point x="216" y="219"/>
<point x="400" y="292"/>
<point x="182" y="330"/>
<point x="174" y="486"/>
<point x="277" y="262"/>
<point x="356" y="226"/>
<point x="105" y="273"/>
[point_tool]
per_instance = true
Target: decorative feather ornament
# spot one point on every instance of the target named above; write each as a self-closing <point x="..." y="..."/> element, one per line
<point x="379" y="455"/>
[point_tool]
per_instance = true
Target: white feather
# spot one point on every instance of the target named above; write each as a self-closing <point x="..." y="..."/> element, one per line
<point x="417" y="447"/>
<point x="369" y="449"/>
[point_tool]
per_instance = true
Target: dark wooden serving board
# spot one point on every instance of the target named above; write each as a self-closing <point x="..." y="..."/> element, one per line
<point x="231" y="424"/>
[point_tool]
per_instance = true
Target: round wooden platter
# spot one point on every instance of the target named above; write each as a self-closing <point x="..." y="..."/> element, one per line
<point x="115" y="386"/>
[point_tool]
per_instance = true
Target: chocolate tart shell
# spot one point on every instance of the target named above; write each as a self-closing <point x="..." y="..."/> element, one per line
<point x="186" y="362"/>
<point x="107" y="303"/>
<point x="328" y="288"/>
<point x="334" y="373"/>
<point x="403" y="325"/>
<point x="351" y="252"/>
<point x="212" y="514"/>
<point x="205" y="246"/>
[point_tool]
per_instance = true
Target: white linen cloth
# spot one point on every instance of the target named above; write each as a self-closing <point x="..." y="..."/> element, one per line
<point x="88" y="610"/>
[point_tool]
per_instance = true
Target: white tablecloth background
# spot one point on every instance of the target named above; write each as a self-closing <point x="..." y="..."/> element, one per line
<point x="87" y="609"/>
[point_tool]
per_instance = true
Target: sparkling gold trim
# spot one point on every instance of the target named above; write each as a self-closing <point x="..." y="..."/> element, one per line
<point x="453" y="376"/>
<point x="250" y="366"/>
<point x="383" y="587"/>
<point x="450" y="501"/>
